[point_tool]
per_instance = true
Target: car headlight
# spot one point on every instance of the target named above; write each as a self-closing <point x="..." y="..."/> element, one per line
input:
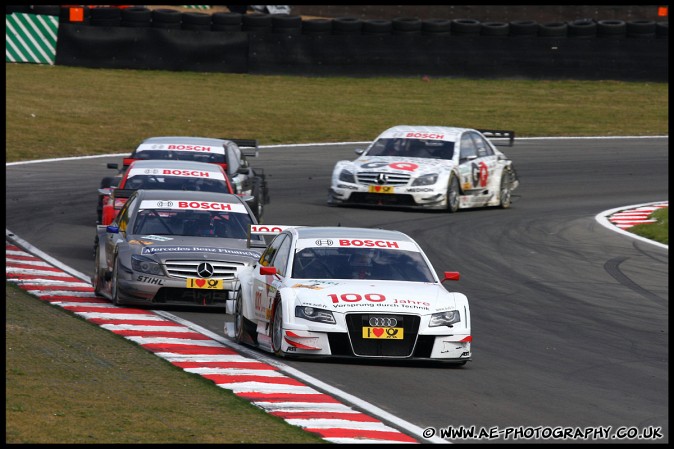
<point x="145" y="265"/>
<point x="314" y="314"/>
<point x="347" y="176"/>
<point x="445" y="318"/>
<point x="426" y="180"/>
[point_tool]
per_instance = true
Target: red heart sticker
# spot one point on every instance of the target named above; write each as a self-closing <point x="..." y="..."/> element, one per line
<point x="200" y="282"/>
<point x="378" y="331"/>
<point x="377" y="188"/>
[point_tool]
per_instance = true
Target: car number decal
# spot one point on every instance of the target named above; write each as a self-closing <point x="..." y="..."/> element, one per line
<point x="386" y="333"/>
<point x="381" y="189"/>
<point x="207" y="284"/>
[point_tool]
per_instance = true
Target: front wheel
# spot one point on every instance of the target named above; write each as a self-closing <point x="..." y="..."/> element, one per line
<point x="98" y="278"/>
<point x="277" y="329"/>
<point x="453" y="195"/>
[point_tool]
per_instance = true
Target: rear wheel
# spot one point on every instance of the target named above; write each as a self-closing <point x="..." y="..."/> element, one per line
<point x="114" y="289"/>
<point x="453" y="194"/>
<point x="506" y="190"/>
<point x="277" y="328"/>
<point x="258" y="203"/>
<point x="244" y="329"/>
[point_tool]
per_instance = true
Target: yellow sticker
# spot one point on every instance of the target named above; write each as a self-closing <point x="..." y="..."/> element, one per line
<point x="381" y="189"/>
<point x="207" y="284"/>
<point x="387" y="333"/>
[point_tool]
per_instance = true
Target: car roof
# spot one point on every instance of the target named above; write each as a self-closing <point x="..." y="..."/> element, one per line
<point x="449" y="133"/>
<point x="184" y="140"/>
<point x="310" y="232"/>
<point x="169" y="163"/>
<point x="189" y="195"/>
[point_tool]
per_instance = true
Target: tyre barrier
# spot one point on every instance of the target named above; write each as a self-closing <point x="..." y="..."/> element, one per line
<point x="582" y="28"/>
<point x="317" y="27"/>
<point x="166" y="19"/>
<point x="347" y="26"/>
<point x="466" y="27"/>
<point x="259" y="23"/>
<point x="611" y="29"/>
<point x="495" y="29"/>
<point x="527" y="28"/>
<point x="286" y="24"/>
<point x="196" y="21"/>
<point x="436" y="27"/>
<point x="377" y="27"/>
<point x="136" y="17"/>
<point x="640" y="29"/>
<point x="662" y="30"/>
<point x="226" y="21"/>
<point x="552" y="29"/>
<point x="406" y="25"/>
<point x="106" y="16"/>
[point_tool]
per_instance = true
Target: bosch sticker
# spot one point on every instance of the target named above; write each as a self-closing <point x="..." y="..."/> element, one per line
<point x="355" y="243"/>
<point x="418" y="135"/>
<point x="179" y="147"/>
<point x="193" y="205"/>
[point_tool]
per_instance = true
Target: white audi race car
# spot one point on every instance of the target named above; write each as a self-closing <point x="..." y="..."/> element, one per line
<point x="431" y="167"/>
<point x="348" y="292"/>
<point x="175" y="247"/>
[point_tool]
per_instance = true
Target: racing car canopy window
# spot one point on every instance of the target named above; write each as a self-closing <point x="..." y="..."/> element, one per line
<point x="468" y="148"/>
<point x="153" y="182"/>
<point x="276" y="254"/>
<point x="122" y="219"/>
<point x="481" y="145"/>
<point x="424" y="148"/>
<point x="361" y="263"/>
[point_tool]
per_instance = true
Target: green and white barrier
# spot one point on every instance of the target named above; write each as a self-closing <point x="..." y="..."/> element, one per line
<point x="31" y="38"/>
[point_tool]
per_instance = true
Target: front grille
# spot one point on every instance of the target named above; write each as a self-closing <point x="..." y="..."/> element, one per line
<point x="392" y="179"/>
<point x="371" y="347"/>
<point x="188" y="268"/>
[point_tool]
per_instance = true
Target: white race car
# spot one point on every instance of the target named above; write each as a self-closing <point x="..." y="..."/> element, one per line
<point x="432" y="167"/>
<point x="348" y="292"/>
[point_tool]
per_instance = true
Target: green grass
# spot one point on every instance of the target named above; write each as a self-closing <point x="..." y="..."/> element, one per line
<point x="55" y="111"/>
<point x="658" y="231"/>
<point x="68" y="381"/>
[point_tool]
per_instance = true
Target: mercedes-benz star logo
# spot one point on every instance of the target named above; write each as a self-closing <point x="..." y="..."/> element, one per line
<point x="382" y="178"/>
<point x="205" y="270"/>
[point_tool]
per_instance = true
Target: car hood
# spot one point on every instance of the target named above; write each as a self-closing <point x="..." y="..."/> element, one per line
<point x="389" y="164"/>
<point x="344" y="296"/>
<point x="162" y="247"/>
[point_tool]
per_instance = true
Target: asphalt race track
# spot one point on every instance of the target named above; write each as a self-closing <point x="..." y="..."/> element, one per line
<point x="570" y="319"/>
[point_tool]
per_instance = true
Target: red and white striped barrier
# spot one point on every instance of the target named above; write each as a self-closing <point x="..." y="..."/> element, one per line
<point x="264" y="385"/>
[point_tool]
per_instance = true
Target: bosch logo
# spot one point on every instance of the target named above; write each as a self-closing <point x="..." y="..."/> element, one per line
<point x="168" y="204"/>
<point x="382" y="321"/>
<point x="205" y="270"/>
<point x="326" y="242"/>
<point x="382" y="178"/>
<point x="157" y="146"/>
<point x="150" y="171"/>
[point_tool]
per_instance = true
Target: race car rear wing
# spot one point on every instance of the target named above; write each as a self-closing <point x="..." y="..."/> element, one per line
<point x="496" y="136"/>
<point x="248" y="146"/>
<point x="266" y="230"/>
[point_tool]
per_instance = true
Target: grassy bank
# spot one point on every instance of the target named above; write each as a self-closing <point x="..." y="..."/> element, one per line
<point x="66" y="111"/>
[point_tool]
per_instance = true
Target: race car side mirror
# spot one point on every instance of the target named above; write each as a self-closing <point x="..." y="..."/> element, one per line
<point x="112" y="229"/>
<point x="267" y="271"/>
<point x="113" y="165"/>
<point x="359" y="151"/>
<point x="451" y="276"/>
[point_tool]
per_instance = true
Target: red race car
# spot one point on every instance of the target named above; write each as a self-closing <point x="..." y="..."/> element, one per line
<point x="230" y="154"/>
<point x="163" y="175"/>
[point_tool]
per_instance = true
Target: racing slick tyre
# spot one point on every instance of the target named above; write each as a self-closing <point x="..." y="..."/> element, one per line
<point x="277" y="328"/>
<point x="453" y="195"/>
<point x="114" y="289"/>
<point x="244" y="329"/>
<point x="505" y="193"/>
<point x="97" y="280"/>
<point x="258" y="204"/>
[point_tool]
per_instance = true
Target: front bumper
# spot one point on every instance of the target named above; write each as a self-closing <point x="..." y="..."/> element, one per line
<point x="423" y="197"/>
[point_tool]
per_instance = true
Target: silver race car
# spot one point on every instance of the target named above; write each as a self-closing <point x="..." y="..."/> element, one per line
<point x="432" y="167"/>
<point x="175" y="247"/>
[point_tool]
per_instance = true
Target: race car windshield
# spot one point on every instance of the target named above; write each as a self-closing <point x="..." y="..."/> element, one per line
<point x="153" y="182"/>
<point x="215" y="224"/>
<point x="424" y="148"/>
<point x="218" y="158"/>
<point x="361" y="263"/>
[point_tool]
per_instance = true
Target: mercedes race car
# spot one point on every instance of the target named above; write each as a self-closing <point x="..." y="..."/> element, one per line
<point x="175" y="248"/>
<point x="231" y="154"/>
<point x="348" y="292"/>
<point x="432" y="167"/>
<point x="163" y="175"/>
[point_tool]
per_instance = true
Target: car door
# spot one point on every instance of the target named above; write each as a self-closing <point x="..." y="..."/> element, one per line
<point x="265" y="286"/>
<point x="476" y="163"/>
